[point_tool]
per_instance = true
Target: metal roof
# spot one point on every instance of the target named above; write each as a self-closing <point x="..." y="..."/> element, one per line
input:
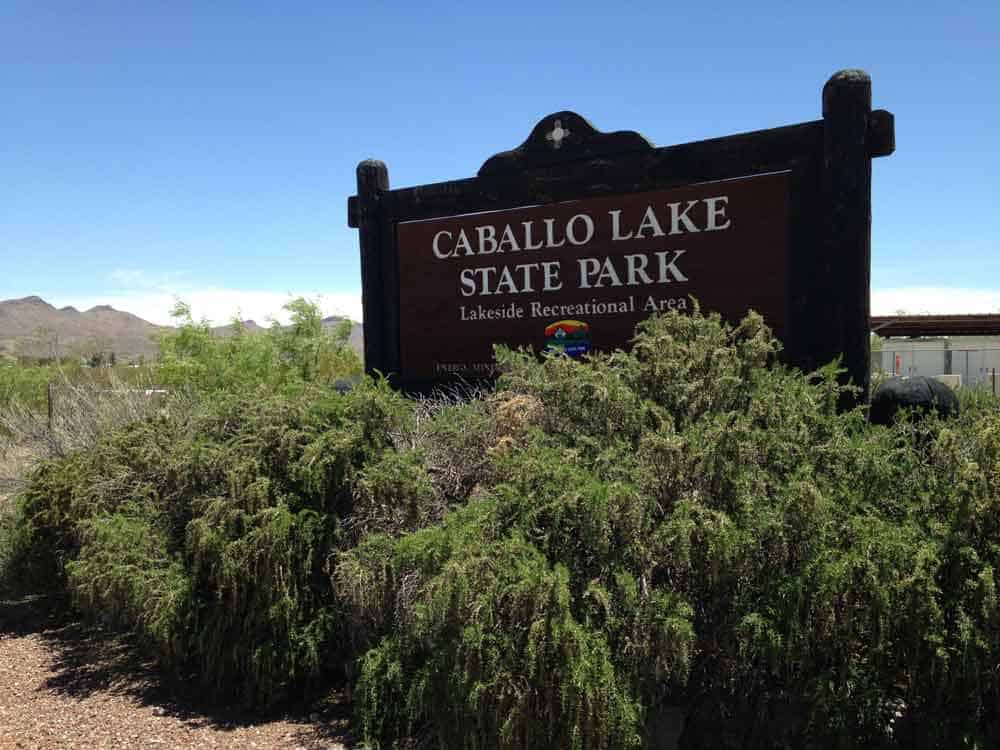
<point x="936" y="325"/>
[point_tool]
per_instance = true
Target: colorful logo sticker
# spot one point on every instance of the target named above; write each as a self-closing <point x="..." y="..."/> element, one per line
<point x="570" y="337"/>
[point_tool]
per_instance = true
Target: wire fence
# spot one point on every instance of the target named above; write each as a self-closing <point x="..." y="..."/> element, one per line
<point x="75" y="416"/>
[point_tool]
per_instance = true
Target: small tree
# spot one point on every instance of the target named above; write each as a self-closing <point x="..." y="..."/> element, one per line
<point x="283" y="356"/>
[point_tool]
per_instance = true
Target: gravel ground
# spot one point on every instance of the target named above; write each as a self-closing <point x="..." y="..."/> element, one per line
<point x="65" y="685"/>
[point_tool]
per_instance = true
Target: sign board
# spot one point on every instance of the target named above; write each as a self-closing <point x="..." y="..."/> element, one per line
<point x="585" y="272"/>
<point x="566" y="242"/>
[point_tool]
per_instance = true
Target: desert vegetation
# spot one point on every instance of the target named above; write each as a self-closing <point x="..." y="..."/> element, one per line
<point x="687" y="534"/>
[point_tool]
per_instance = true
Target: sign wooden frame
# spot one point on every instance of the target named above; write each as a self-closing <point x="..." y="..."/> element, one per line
<point x="829" y="251"/>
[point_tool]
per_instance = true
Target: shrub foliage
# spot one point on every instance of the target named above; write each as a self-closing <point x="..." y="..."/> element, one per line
<point x="210" y="535"/>
<point x="687" y="529"/>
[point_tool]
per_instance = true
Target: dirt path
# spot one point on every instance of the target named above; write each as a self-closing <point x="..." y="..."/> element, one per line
<point x="67" y="686"/>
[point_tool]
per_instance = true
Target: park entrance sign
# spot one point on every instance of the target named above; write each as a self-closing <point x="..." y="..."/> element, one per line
<point x="580" y="274"/>
<point x="568" y="241"/>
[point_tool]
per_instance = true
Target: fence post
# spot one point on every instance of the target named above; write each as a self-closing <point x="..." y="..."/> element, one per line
<point x="49" y="409"/>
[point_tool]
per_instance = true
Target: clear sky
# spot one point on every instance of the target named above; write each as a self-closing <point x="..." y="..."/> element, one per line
<point x="206" y="150"/>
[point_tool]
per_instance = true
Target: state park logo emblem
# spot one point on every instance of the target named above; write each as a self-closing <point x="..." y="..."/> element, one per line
<point x="571" y="337"/>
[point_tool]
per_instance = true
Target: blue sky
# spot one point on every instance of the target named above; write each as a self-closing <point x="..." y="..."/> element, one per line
<point x="206" y="150"/>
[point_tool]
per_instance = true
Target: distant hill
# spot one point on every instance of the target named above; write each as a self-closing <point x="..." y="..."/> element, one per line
<point x="32" y="327"/>
<point x="356" y="340"/>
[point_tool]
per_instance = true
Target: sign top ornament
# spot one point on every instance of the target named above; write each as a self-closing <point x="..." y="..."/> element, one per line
<point x="561" y="138"/>
<point x="557" y="134"/>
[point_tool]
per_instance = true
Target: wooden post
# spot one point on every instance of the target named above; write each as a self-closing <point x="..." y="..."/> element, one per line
<point x="847" y="167"/>
<point x="373" y="182"/>
<point x="48" y="400"/>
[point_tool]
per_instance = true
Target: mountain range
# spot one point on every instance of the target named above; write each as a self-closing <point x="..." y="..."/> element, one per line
<point x="32" y="327"/>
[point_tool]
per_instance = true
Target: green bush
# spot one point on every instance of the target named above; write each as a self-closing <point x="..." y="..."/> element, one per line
<point x="24" y="562"/>
<point x="209" y="535"/>
<point x="722" y="539"/>
<point x="479" y="651"/>
<point x="24" y="383"/>
<point x="283" y="358"/>
<point x="689" y="529"/>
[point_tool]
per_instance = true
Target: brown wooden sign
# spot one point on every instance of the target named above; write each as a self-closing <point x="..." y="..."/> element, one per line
<point x="577" y="276"/>
<point x="566" y="242"/>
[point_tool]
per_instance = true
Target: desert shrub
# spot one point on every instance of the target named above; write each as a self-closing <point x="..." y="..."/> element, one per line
<point x="127" y="575"/>
<point x="689" y="529"/>
<point x="479" y="651"/>
<point x="283" y="358"/>
<point x="208" y="535"/>
<point x="722" y="538"/>
<point x="23" y="383"/>
<point x="456" y="442"/>
<point x="83" y="410"/>
<point x="50" y="409"/>
<point x="978" y="400"/>
<point x="394" y="494"/>
<point x="25" y="568"/>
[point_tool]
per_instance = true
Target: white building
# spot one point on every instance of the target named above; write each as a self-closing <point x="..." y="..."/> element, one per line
<point x="974" y="359"/>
